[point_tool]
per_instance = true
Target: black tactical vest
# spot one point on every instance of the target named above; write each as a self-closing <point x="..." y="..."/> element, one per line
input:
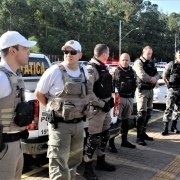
<point x="174" y="79"/>
<point x="151" y="70"/>
<point x="103" y="86"/>
<point x="126" y="84"/>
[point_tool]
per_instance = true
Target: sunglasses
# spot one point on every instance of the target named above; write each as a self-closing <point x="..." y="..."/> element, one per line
<point x="72" y="52"/>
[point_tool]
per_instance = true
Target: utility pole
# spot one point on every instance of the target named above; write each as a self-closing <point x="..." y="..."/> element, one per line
<point x="175" y="45"/>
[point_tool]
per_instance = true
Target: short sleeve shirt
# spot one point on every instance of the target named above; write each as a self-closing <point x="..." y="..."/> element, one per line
<point x="51" y="81"/>
<point x="5" y="89"/>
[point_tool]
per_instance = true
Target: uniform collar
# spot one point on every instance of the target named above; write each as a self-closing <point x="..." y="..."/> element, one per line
<point x="5" y="65"/>
<point x="97" y="61"/>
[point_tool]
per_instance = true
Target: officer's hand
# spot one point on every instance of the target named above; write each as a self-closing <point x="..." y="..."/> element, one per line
<point x="111" y="102"/>
<point x="153" y="80"/>
<point x="157" y="85"/>
<point x="106" y="107"/>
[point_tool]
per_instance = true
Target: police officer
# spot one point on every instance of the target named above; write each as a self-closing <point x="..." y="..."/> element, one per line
<point x="171" y="77"/>
<point x="14" y="53"/>
<point x="67" y="87"/>
<point x="125" y="82"/>
<point x="147" y="77"/>
<point x="101" y="102"/>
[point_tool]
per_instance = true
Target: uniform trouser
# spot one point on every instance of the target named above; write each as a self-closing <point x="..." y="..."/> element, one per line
<point x="125" y="111"/>
<point x="98" y="126"/>
<point x="144" y="100"/>
<point x="65" y="150"/>
<point x="125" y="108"/>
<point x="11" y="161"/>
<point x="172" y="111"/>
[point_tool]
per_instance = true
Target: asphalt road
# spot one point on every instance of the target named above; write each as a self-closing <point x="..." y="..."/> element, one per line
<point x="32" y="164"/>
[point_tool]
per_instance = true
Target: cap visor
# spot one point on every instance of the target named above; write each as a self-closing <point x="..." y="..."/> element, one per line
<point x="28" y="43"/>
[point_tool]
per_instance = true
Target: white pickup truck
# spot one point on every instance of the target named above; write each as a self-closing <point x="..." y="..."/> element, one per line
<point x="36" y="144"/>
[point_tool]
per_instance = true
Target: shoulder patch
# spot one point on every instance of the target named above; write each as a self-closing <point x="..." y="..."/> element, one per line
<point x="90" y="72"/>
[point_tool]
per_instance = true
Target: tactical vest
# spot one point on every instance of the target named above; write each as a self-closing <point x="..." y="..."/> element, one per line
<point x="174" y="79"/>
<point x="75" y="96"/>
<point x="151" y="70"/>
<point x="8" y="104"/>
<point x="103" y="86"/>
<point x="126" y="83"/>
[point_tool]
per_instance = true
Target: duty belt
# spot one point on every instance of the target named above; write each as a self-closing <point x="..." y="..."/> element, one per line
<point x="11" y="137"/>
<point x="75" y="120"/>
<point x="126" y="95"/>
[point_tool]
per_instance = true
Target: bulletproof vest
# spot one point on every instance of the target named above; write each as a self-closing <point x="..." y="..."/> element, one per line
<point x="174" y="79"/>
<point x="75" y="95"/>
<point x="103" y="86"/>
<point x="150" y="69"/>
<point x="8" y="104"/>
<point x="126" y="83"/>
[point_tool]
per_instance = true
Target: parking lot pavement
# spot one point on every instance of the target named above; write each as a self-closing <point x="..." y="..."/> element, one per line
<point x="159" y="160"/>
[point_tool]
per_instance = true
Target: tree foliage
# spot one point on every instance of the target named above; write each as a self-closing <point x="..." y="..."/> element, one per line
<point x="52" y="22"/>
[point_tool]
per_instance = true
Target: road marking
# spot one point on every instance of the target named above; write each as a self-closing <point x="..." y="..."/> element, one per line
<point x="34" y="171"/>
<point x="170" y="171"/>
<point x="151" y="121"/>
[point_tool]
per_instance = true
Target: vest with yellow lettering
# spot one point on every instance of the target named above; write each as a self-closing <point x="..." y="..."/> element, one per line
<point x="76" y="92"/>
<point x="8" y="104"/>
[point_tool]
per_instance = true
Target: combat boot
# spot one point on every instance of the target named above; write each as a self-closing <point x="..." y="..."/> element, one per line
<point x="112" y="147"/>
<point x="141" y="141"/>
<point x="124" y="132"/>
<point x="174" y="128"/>
<point x="89" y="173"/>
<point x="165" y="130"/>
<point x="145" y="136"/>
<point x="102" y="165"/>
<point x="127" y="144"/>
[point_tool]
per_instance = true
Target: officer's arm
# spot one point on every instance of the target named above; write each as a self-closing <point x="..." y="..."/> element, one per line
<point x="166" y="73"/>
<point x="93" y="77"/>
<point x="41" y="97"/>
<point x="138" y="68"/>
<point x="155" y="78"/>
<point x="164" y="77"/>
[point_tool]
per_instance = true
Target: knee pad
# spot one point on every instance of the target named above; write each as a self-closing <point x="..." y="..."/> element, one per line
<point x="92" y="144"/>
<point x="94" y="139"/>
<point x="105" y="135"/>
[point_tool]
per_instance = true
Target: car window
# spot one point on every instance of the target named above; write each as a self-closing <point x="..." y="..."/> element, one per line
<point x="36" y="67"/>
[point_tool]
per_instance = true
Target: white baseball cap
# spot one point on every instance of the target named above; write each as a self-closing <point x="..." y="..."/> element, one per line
<point x="74" y="44"/>
<point x="12" y="38"/>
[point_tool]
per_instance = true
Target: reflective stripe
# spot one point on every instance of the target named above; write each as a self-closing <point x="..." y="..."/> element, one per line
<point x="6" y="129"/>
<point x="6" y="122"/>
<point x="8" y="110"/>
<point x="7" y="116"/>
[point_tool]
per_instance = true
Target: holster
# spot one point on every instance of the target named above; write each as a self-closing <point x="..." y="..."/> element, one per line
<point x="2" y="145"/>
<point x="50" y="118"/>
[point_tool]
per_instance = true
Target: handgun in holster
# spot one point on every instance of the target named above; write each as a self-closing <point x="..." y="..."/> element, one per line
<point x="2" y="145"/>
<point x="50" y="118"/>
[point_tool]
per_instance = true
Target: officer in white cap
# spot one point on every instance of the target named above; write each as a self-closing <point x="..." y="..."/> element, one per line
<point x="68" y="90"/>
<point x="14" y="53"/>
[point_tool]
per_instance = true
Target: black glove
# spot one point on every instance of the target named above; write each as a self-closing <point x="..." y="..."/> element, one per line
<point x="106" y="107"/>
<point x="111" y="102"/>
